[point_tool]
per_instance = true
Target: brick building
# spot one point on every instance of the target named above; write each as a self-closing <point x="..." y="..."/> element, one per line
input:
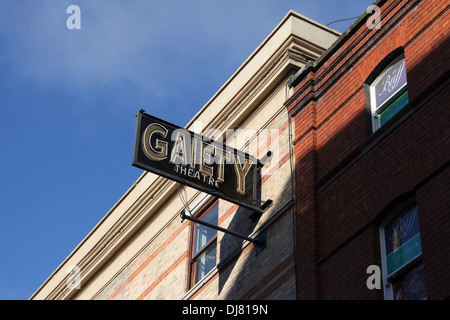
<point x="358" y="127"/>
<point x="141" y="249"/>
<point x="372" y="149"/>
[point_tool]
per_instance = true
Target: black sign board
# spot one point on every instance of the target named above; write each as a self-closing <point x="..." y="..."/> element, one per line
<point x="196" y="161"/>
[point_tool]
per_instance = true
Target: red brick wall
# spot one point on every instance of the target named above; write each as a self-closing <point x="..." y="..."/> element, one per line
<point x="433" y="201"/>
<point x="345" y="177"/>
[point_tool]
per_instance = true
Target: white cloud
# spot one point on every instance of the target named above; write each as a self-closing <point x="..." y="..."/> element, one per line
<point x="153" y="45"/>
<point x="135" y="41"/>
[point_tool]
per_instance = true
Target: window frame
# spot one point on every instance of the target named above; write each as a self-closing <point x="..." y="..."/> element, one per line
<point x="377" y="110"/>
<point x="415" y="262"/>
<point x="205" y="208"/>
<point x="373" y="113"/>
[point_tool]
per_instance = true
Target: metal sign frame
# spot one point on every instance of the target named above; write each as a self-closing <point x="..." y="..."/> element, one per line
<point x="196" y="161"/>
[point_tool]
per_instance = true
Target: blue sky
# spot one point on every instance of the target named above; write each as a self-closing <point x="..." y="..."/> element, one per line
<point x="68" y="100"/>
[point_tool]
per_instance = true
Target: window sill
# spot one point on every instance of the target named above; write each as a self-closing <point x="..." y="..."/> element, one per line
<point x="200" y="284"/>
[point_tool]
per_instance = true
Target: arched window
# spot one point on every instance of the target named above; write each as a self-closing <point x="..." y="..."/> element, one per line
<point x="388" y="89"/>
<point x="401" y="249"/>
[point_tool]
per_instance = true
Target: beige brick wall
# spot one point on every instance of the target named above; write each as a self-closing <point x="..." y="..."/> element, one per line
<point x="160" y="270"/>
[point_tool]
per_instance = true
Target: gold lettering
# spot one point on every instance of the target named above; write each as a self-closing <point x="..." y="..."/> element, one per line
<point x="241" y="172"/>
<point x="159" y="151"/>
<point x="207" y="151"/>
<point x="221" y="157"/>
<point x="195" y="154"/>
<point x="179" y="155"/>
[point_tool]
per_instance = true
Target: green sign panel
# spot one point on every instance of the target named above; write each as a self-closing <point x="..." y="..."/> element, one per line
<point x="405" y="253"/>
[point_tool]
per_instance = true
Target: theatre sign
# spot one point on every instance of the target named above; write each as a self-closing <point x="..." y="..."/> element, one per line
<point x="196" y="161"/>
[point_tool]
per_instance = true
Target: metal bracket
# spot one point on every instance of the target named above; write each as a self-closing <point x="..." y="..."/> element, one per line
<point x="259" y="242"/>
<point x="263" y="206"/>
<point x="265" y="159"/>
<point x="257" y="214"/>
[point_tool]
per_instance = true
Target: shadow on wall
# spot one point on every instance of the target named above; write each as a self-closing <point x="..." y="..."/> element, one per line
<point x="244" y="274"/>
<point x="357" y="175"/>
<point x="331" y="221"/>
<point x="230" y="248"/>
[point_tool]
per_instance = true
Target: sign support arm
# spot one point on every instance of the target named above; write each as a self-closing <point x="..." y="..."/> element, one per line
<point x="259" y="243"/>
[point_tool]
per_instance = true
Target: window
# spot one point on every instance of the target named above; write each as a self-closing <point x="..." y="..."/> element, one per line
<point x="204" y="243"/>
<point x="401" y="249"/>
<point x="388" y="89"/>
